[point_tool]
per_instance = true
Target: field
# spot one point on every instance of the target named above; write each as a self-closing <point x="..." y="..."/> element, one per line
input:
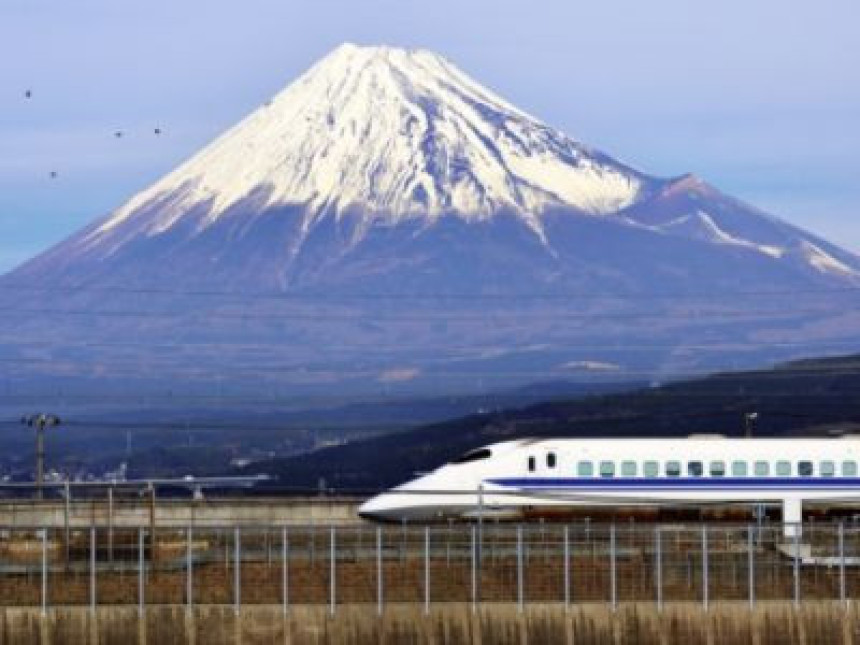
<point x="451" y="624"/>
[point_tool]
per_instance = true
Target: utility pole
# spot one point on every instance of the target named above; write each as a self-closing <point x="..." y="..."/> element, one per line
<point x="40" y="422"/>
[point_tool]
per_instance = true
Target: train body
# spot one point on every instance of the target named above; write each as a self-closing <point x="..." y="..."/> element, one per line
<point x="508" y="479"/>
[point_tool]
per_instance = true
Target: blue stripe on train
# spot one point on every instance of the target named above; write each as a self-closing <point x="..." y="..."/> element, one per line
<point x="680" y="483"/>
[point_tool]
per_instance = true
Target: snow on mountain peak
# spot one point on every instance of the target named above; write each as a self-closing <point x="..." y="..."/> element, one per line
<point x="392" y="133"/>
<point x="378" y="136"/>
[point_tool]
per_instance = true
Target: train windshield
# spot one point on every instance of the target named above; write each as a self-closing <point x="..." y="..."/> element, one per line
<point x="473" y="455"/>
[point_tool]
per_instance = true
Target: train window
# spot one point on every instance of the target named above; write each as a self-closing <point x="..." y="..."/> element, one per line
<point x="473" y="455"/>
<point x="804" y="469"/>
<point x="718" y="468"/>
<point x="695" y="469"/>
<point x="739" y="469"/>
<point x="673" y="469"/>
<point x="607" y="469"/>
<point x="585" y="469"/>
<point x="849" y="468"/>
<point x="827" y="469"/>
<point x="531" y="464"/>
<point x="628" y="469"/>
<point x="762" y="469"/>
<point x="650" y="469"/>
<point x="550" y="460"/>
<point x="783" y="469"/>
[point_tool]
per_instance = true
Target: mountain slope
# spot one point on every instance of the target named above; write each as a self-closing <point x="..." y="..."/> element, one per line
<point x="373" y="143"/>
<point x="391" y="134"/>
<point x="386" y="214"/>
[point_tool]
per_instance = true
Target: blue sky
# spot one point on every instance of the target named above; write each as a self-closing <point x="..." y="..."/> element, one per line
<point x="762" y="98"/>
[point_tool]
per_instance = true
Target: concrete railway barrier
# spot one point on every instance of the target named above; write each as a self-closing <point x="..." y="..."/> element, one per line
<point x="148" y="510"/>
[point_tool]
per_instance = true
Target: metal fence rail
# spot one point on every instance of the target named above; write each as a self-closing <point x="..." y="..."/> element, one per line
<point x="427" y="565"/>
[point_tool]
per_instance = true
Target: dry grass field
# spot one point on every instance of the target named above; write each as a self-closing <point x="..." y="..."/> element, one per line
<point x="450" y="624"/>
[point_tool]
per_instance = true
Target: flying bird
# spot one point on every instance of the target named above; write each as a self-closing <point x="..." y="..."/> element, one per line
<point x="118" y="134"/>
<point x="28" y="94"/>
<point x="53" y="174"/>
<point x="157" y="130"/>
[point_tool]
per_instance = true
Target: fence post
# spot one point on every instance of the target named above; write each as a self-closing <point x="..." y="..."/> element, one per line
<point x="92" y="569"/>
<point x="237" y="570"/>
<point x="66" y="518"/>
<point x="110" y="523"/>
<point x="751" y="566"/>
<point x="480" y="521"/>
<point x="613" y="583"/>
<point x="44" y="570"/>
<point x="152" y="496"/>
<point x="285" y="570"/>
<point x="520" y="595"/>
<point x="658" y="565"/>
<point x="705" y="598"/>
<point x="842" y="595"/>
<point x="380" y="589"/>
<point x="332" y="572"/>
<point x="189" y="572"/>
<point x="474" y="572"/>
<point x="141" y="590"/>
<point x="448" y="542"/>
<point x="566" y="566"/>
<point x="426" y="570"/>
<point x="796" y="567"/>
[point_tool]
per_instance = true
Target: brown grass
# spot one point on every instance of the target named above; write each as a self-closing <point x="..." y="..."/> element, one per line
<point x="454" y="624"/>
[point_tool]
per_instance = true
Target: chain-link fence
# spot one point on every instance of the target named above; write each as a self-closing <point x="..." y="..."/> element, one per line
<point x="426" y="565"/>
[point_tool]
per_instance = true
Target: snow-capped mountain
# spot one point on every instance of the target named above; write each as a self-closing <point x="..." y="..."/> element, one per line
<point x="397" y="134"/>
<point x="372" y="140"/>
<point x="389" y="171"/>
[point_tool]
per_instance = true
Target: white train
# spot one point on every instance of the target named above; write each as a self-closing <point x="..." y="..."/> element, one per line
<point x="506" y="478"/>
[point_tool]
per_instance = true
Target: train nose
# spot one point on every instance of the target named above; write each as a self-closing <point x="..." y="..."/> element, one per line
<point x="375" y="509"/>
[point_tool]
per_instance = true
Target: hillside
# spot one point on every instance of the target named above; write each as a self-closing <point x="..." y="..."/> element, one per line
<point x="809" y="398"/>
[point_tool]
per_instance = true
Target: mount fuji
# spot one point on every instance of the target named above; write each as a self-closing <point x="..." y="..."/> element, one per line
<point x="386" y="219"/>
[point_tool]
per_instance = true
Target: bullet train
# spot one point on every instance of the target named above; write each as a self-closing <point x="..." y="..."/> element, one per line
<point x="506" y="479"/>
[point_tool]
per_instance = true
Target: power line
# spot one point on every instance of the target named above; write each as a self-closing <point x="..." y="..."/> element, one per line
<point x="474" y="350"/>
<point x="445" y="363"/>
<point x="422" y="370"/>
<point x="364" y="317"/>
<point x="488" y="398"/>
<point x="315" y="296"/>
<point x="822" y="400"/>
<point x="597" y="417"/>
